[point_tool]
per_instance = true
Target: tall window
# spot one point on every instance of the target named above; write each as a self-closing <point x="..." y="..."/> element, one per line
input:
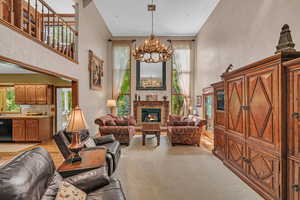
<point x="7" y="100"/>
<point x="122" y="77"/>
<point x="181" y="78"/>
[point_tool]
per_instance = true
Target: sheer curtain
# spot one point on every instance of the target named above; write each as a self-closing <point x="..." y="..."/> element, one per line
<point x="182" y="73"/>
<point x="121" y="64"/>
<point x="122" y="76"/>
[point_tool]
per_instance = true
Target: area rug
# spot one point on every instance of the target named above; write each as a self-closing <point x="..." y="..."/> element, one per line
<point x="12" y="148"/>
<point x="181" y="172"/>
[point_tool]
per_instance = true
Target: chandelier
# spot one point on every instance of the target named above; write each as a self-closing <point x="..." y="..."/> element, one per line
<point x="153" y="50"/>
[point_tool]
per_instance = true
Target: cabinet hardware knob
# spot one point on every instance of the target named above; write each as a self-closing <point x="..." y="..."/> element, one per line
<point x="296" y="115"/>
<point x="295" y="188"/>
<point x="245" y="107"/>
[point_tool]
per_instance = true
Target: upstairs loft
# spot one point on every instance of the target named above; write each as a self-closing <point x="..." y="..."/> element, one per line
<point x="36" y="20"/>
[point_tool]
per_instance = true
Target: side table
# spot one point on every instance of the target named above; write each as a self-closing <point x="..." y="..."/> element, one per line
<point x="91" y="159"/>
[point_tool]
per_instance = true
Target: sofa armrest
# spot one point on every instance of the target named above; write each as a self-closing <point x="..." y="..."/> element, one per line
<point x="90" y="180"/>
<point x="93" y="148"/>
<point x="104" y="139"/>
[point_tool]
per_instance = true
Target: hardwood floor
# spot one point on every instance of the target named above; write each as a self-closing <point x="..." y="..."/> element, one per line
<point x="50" y="146"/>
<point x="206" y="142"/>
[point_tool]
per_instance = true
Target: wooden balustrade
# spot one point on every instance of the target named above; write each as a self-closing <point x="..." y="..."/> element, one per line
<point x="40" y="22"/>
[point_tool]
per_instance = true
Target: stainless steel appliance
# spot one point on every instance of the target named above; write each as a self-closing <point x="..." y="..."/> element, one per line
<point x="5" y="130"/>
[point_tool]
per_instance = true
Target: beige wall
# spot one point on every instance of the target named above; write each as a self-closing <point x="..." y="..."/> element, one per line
<point x="241" y="32"/>
<point x="93" y="34"/>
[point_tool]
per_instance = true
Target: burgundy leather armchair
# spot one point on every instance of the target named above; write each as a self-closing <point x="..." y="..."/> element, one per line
<point x="184" y="130"/>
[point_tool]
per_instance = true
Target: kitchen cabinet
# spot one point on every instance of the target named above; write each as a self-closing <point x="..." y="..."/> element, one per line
<point x="18" y="130"/>
<point x="40" y="94"/>
<point x="32" y="129"/>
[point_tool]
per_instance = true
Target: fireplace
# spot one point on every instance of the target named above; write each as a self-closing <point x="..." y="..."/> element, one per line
<point x="151" y="115"/>
<point x="158" y="110"/>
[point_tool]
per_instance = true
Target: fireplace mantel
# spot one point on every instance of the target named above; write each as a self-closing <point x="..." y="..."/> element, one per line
<point x="163" y="105"/>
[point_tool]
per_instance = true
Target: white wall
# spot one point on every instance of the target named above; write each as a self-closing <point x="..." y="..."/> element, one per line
<point x="93" y="34"/>
<point x="241" y="32"/>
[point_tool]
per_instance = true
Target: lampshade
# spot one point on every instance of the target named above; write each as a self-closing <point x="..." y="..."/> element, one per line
<point x="77" y="121"/>
<point x="111" y="103"/>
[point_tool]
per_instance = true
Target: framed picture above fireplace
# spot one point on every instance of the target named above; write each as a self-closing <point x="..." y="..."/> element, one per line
<point x="150" y="76"/>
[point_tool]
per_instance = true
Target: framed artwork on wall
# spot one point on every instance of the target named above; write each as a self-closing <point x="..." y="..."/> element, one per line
<point x="151" y="97"/>
<point x="199" y="101"/>
<point x="96" y="71"/>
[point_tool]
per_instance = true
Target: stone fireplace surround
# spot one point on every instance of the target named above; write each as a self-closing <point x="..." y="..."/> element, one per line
<point x="139" y="105"/>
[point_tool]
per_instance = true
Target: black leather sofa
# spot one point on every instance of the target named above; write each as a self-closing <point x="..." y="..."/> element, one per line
<point x="113" y="147"/>
<point x="32" y="176"/>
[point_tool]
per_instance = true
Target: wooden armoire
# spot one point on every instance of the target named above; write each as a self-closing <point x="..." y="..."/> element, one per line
<point x="256" y="129"/>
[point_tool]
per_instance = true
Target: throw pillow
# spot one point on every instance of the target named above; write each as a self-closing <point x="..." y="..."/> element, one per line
<point x="89" y="143"/>
<point x="67" y="191"/>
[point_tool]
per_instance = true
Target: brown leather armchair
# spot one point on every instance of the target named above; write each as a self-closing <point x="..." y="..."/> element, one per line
<point x="63" y="139"/>
<point x="32" y="175"/>
<point x="184" y="130"/>
<point x="123" y="128"/>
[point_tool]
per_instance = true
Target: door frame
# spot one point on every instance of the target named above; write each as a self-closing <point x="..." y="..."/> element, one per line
<point x="74" y="86"/>
<point x="55" y="101"/>
<point x="75" y="81"/>
<point x="208" y="91"/>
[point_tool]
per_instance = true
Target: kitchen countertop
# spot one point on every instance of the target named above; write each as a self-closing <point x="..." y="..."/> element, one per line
<point x="23" y="116"/>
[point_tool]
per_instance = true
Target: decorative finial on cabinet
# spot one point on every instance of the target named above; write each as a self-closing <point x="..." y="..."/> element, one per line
<point x="229" y="68"/>
<point x="285" y="43"/>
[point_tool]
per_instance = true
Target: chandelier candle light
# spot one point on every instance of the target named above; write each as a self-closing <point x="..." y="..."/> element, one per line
<point x="153" y="50"/>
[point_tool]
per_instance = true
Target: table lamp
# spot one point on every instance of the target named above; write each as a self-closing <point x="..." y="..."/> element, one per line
<point x="76" y="123"/>
<point x="111" y="103"/>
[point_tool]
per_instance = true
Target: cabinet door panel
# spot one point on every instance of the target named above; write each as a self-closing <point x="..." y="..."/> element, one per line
<point x="293" y="109"/>
<point x="19" y="130"/>
<point x="262" y="115"/>
<point x="20" y="94"/>
<point x="41" y="94"/>
<point x="235" y="153"/>
<point x="293" y="180"/>
<point x="235" y="101"/>
<point x="32" y="130"/>
<point x="264" y="170"/>
<point x="30" y="94"/>
<point x="220" y="143"/>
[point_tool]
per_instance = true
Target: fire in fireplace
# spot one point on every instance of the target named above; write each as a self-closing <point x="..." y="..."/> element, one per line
<point x="151" y="115"/>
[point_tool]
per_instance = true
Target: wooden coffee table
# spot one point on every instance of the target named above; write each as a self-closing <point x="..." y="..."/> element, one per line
<point x="151" y="129"/>
<point x="91" y="159"/>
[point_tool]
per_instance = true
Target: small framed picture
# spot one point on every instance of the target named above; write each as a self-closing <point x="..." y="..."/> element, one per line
<point x="151" y="97"/>
<point x="199" y="101"/>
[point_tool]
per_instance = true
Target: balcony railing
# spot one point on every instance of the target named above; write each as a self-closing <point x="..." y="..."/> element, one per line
<point x="37" y="20"/>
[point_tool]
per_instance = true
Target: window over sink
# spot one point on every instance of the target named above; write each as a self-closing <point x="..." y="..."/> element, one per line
<point x="7" y="100"/>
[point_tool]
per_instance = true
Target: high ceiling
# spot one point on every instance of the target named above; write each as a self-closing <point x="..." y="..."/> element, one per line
<point x="61" y="6"/>
<point x="131" y="18"/>
<point x="172" y="18"/>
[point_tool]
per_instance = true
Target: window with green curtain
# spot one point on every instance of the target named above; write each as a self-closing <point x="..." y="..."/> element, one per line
<point x="122" y="77"/>
<point x="181" y="77"/>
<point x="7" y="100"/>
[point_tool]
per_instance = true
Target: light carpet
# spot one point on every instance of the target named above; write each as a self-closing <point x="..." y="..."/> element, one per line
<point x="11" y="148"/>
<point x="177" y="173"/>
